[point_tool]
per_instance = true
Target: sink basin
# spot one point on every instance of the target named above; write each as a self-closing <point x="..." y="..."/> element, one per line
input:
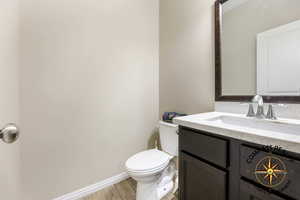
<point x="279" y="126"/>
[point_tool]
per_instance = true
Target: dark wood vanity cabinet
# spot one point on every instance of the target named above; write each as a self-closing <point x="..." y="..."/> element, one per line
<point x="211" y="149"/>
<point x="213" y="167"/>
<point x="202" y="166"/>
<point x="200" y="179"/>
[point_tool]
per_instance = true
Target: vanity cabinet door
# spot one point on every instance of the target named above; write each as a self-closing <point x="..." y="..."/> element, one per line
<point x="253" y="160"/>
<point x="199" y="180"/>
<point x="251" y="192"/>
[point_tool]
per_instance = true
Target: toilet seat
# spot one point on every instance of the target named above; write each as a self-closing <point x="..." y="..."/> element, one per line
<point x="147" y="162"/>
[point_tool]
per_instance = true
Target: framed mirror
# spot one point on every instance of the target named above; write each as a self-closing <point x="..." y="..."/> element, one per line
<point x="257" y="50"/>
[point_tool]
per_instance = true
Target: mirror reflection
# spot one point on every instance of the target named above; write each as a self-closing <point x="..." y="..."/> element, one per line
<point x="261" y="47"/>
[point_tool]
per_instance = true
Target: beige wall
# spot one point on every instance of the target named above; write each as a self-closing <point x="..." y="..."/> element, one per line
<point x="89" y="84"/>
<point x="240" y="28"/>
<point x="89" y="95"/>
<point x="9" y="105"/>
<point x="186" y="56"/>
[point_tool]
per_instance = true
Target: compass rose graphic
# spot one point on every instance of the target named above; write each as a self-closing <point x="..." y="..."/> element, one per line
<point x="270" y="171"/>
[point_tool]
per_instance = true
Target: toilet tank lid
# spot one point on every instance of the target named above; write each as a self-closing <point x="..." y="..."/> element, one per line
<point x="168" y="124"/>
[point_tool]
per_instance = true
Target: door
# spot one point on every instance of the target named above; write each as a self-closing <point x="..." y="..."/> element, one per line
<point x="9" y="111"/>
<point x="199" y="180"/>
<point x="251" y="192"/>
<point x="9" y="153"/>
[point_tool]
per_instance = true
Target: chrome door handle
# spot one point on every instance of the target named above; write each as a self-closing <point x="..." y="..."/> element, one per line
<point x="10" y="133"/>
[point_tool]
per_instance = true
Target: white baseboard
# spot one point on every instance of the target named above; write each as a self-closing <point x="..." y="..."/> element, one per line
<point x="94" y="188"/>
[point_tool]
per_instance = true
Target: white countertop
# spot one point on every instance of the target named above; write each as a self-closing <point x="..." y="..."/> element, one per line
<point x="288" y="141"/>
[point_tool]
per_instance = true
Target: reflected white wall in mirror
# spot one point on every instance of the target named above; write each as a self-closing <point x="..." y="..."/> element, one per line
<point x="278" y="61"/>
<point x="245" y="70"/>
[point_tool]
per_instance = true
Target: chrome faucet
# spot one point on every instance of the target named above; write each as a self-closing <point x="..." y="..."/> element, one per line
<point x="260" y="114"/>
<point x="260" y="107"/>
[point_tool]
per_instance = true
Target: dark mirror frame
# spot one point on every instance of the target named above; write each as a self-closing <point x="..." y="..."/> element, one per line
<point x="218" y="67"/>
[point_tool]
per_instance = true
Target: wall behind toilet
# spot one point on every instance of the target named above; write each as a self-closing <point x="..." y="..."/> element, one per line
<point x="186" y="56"/>
<point x="89" y="90"/>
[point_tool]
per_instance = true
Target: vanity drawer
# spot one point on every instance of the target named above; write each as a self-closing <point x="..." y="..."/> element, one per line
<point x="254" y="163"/>
<point x="251" y="192"/>
<point x="209" y="148"/>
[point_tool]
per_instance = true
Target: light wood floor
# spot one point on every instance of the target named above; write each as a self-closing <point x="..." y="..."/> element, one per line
<point x="124" y="190"/>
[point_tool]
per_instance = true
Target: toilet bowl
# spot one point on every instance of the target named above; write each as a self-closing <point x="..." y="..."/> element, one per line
<point x="153" y="169"/>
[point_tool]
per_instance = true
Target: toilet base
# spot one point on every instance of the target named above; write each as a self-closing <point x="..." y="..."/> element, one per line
<point x="155" y="187"/>
<point x="146" y="191"/>
<point x="151" y="190"/>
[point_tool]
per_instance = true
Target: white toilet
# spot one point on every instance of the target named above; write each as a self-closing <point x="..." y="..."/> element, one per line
<point x="152" y="169"/>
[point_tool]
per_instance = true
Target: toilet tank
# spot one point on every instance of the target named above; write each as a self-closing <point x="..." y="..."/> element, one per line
<point x="168" y="137"/>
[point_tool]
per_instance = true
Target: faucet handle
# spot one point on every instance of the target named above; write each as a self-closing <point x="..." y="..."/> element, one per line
<point x="251" y="112"/>
<point x="271" y="114"/>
